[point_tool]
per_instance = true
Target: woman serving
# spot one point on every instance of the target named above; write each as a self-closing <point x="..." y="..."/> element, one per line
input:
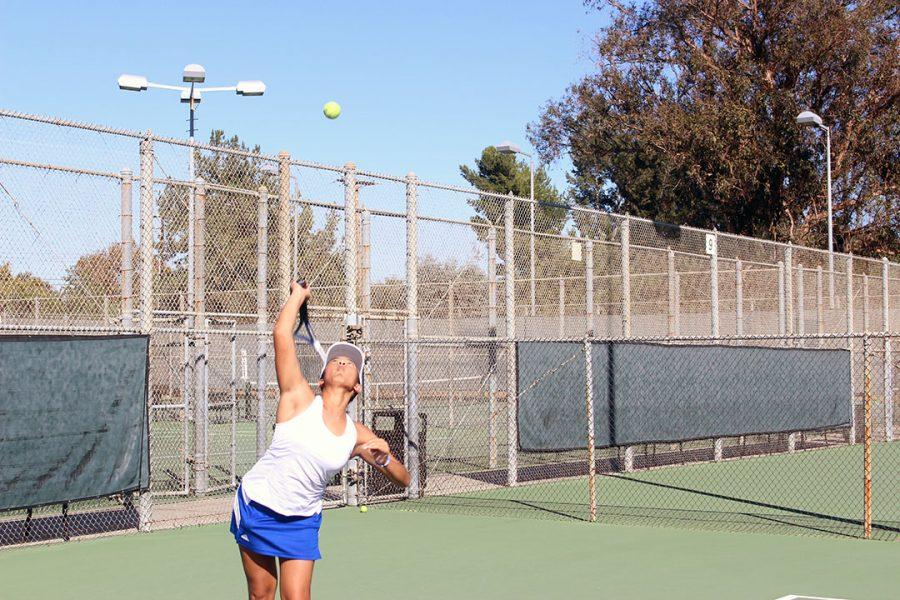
<point x="278" y="506"/>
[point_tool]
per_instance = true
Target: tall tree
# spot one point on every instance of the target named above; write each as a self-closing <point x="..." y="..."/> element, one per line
<point x="18" y="292"/>
<point x="503" y="174"/>
<point x="231" y="229"/>
<point x="689" y="118"/>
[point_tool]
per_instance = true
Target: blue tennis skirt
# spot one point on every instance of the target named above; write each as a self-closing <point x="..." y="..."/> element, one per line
<point x="264" y="531"/>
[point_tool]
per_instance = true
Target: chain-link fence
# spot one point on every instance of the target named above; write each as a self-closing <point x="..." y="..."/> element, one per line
<point x="106" y="231"/>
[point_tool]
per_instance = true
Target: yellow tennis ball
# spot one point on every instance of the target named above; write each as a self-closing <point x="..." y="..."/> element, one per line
<point x="332" y="110"/>
<point x="363" y="508"/>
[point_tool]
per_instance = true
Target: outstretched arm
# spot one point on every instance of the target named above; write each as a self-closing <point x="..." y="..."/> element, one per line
<point x="295" y="393"/>
<point x="376" y="452"/>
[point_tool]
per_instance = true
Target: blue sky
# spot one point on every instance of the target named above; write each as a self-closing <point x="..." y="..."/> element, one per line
<point x="424" y="85"/>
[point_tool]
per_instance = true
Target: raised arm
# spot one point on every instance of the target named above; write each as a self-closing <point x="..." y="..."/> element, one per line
<point x="376" y="452"/>
<point x="295" y="393"/>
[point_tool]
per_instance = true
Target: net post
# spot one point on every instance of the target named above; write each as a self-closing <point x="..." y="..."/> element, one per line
<point x="512" y="438"/>
<point x="262" y="303"/>
<point x="412" y="334"/>
<point x="589" y="288"/>
<point x="126" y="268"/>
<point x="739" y="297"/>
<point x="888" y="363"/>
<point x="145" y="500"/>
<point x="589" y="406"/>
<point x="625" y="250"/>
<point x="867" y="438"/>
<point x="492" y="349"/>
<point x="670" y="279"/>
<point x="201" y="400"/>
<point x="283" y="285"/>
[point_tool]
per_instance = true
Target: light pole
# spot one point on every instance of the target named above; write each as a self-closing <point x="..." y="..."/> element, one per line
<point x="510" y="148"/>
<point x="190" y="95"/>
<point x="807" y="117"/>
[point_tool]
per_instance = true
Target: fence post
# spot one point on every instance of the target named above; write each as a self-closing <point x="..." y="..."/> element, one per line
<point x="677" y="303"/>
<point x="366" y="262"/>
<point x="512" y="438"/>
<point x="625" y="248"/>
<point x="145" y="500"/>
<point x="670" y="321"/>
<point x="801" y="329"/>
<point x="820" y="306"/>
<point x="719" y="443"/>
<point x="492" y="348"/>
<point x="888" y="363"/>
<point x="350" y="229"/>
<point x="451" y="353"/>
<point x="127" y="307"/>
<point x="867" y="437"/>
<point x="589" y="405"/>
<point x="589" y="288"/>
<point x="739" y="297"/>
<point x="283" y="284"/>
<point x="562" y="307"/>
<point x="789" y="288"/>
<point x="412" y="334"/>
<point x="714" y="289"/>
<point x="850" y="343"/>
<point x="865" y="307"/>
<point x="201" y="400"/>
<point x="801" y="303"/>
<point x="782" y="324"/>
<point x="850" y="293"/>
<point x="262" y="304"/>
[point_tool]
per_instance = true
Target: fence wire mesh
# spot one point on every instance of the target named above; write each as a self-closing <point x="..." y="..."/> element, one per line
<point x="108" y="230"/>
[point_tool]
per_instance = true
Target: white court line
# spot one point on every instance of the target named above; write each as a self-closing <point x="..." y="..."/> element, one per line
<point x="801" y="597"/>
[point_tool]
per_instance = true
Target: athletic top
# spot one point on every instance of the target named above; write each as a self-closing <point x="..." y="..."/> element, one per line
<point x="304" y="455"/>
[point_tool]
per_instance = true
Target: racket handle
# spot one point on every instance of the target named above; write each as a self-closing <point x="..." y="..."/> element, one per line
<point x="302" y="283"/>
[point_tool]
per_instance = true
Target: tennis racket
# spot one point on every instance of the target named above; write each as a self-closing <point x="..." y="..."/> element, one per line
<point x="304" y="331"/>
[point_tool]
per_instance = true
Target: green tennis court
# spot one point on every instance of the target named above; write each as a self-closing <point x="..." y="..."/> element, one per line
<point x="814" y="491"/>
<point x="392" y="554"/>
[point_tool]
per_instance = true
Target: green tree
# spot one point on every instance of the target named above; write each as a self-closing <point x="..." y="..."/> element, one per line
<point x="18" y="293"/>
<point x="689" y="118"/>
<point x="503" y="174"/>
<point x="231" y="229"/>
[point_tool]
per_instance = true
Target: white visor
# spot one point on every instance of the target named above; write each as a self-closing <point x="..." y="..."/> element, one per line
<point x="346" y="350"/>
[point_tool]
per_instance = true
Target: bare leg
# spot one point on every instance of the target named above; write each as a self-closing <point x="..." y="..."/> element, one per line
<point x="261" y="573"/>
<point x="296" y="578"/>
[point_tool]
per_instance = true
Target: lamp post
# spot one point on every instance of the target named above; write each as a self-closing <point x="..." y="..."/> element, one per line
<point x="510" y="148"/>
<point x="807" y="117"/>
<point x="190" y="95"/>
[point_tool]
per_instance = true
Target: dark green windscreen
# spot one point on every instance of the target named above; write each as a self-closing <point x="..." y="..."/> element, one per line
<point x="666" y="393"/>
<point x="73" y="418"/>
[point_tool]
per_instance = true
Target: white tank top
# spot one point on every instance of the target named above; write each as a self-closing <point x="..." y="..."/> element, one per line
<point x="304" y="455"/>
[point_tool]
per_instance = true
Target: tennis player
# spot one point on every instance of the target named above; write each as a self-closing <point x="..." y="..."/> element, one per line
<point x="278" y="506"/>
